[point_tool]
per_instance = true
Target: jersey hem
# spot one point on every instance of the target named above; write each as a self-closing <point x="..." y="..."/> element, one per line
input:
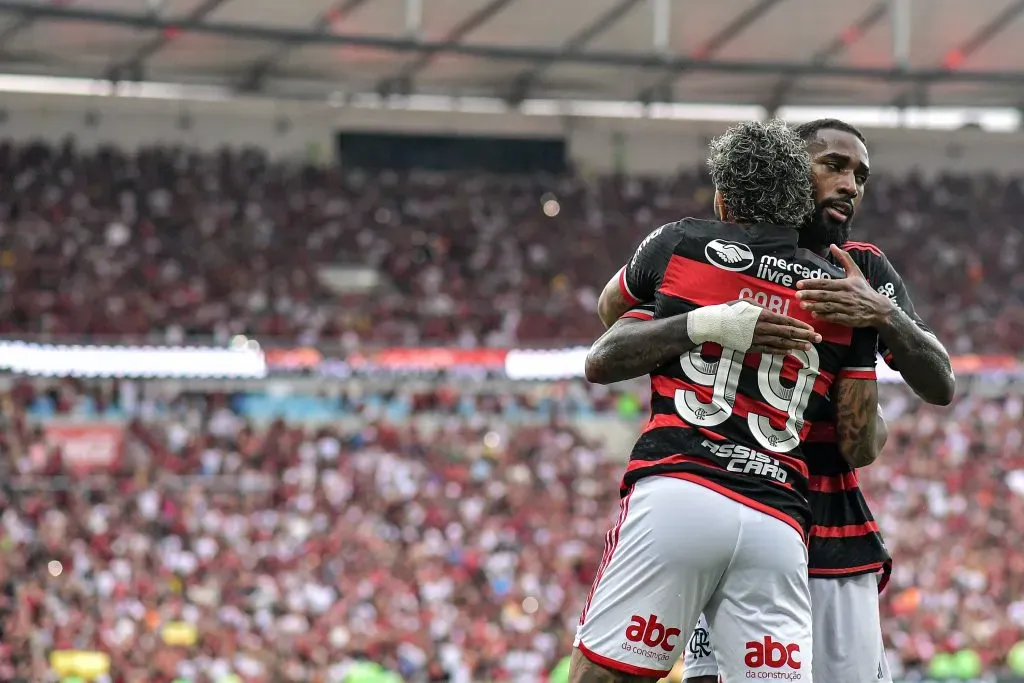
<point x="844" y="572"/>
<point x="884" y="568"/>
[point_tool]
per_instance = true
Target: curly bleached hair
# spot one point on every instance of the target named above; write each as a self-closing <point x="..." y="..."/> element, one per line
<point x="763" y="173"/>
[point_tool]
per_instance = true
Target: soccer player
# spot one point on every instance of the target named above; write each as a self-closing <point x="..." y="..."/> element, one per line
<point x="848" y="561"/>
<point x="714" y="511"/>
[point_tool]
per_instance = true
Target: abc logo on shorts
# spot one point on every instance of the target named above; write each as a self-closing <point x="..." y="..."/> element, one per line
<point x="659" y="638"/>
<point x="770" y="658"/>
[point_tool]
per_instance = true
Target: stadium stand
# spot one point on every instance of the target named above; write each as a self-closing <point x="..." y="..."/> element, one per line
<point x="453" y="551"/>
<point x="180" y="244"/>
<point x="444" y="529"/>
<point x="269" y="418"/>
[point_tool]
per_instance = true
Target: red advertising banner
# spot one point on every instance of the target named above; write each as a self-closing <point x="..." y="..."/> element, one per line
<point x="431" y="358"/>
<point x="304" y="358"/>
<point x="86" y="447"/>
<point x="973" y="364"/>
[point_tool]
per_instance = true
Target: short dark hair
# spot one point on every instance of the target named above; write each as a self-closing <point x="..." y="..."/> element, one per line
<point x="763" y="172"/>
<point x="808" y="131"/>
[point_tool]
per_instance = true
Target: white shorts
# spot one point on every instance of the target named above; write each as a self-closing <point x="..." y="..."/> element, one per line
<point x="847" y="634"/>
<point x="679" y="548"/>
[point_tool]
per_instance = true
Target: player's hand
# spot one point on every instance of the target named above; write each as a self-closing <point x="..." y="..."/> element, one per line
<point x="780" y="334"/>
<point x="848" y="301"/>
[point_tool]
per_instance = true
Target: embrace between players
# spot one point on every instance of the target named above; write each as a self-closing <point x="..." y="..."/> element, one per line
<point x="742" y="531"/>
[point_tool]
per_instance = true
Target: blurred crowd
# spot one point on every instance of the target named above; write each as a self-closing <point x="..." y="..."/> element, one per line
<point x="292" y="537"/>
<point x="446" y="549"/>
<point x="164" y="244"/>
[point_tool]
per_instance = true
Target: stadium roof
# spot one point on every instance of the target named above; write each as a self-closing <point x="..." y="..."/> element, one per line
<point x="764" y="52"/>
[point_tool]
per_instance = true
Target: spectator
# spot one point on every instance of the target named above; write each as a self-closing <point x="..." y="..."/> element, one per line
<point x="165" y="244"/>
<point x="460" y="553"/>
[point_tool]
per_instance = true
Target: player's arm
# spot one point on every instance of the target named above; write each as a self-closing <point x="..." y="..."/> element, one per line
<point x="855" y="397"/>
<point x="639" y="279"/>
<point x="637" y="344"/>
<point x="612" y="304"/>
<point x="857" y="420"/>
<point x="911" y="347"/>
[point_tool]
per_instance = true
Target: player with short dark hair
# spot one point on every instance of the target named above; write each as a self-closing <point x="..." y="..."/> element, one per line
<point x="847" y="559"/>
<point x="714" y="512"/>
<point x="810" y="129"/>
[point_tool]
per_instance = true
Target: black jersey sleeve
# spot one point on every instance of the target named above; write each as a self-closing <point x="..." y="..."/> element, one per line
<point x="881" y="274"/>
<point x="859" y="362"/>
<point x="640" y="278"/>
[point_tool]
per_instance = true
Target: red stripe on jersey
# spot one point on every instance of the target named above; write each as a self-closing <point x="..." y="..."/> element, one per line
<point x="714" y="436"/>
<point x="739" y="498"/>
<point x="666" y="387"/>
<point x="639" y="314"/>
<point x="847" y="531"/>
<point x="666" y="420"/>
<point x="677" y="459"/>
<point x="624" y="288"/>
<point x="790" y="367"/>
<point x="846" y="571"/>
<point x="862" y="246"/>
<point x="744" y="405"/>
<point x="796" y="463"/>
<point x="858" y="373"/>
<point x="822" y="432"/>
<point x="673" y="420"/>
<point x="847" y="481"/>
<point x="705" y="285"/>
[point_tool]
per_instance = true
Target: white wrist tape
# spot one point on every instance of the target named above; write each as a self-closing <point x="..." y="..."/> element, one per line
<point x="731" y="325"/>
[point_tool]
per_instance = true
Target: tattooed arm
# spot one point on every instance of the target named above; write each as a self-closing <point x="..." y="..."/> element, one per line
<point x="884" y="304"/>
<point x="919" y="357"/>
<point x="856" y="402"/>
<point x="637" y="345"/>
<point x="633" y="348"/>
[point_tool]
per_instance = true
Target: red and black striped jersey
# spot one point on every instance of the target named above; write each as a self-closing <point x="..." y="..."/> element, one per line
<point x="731" y="421"/>
<point x="845" y="538"/>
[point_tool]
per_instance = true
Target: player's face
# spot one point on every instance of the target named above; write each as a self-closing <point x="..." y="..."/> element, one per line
<point x="840" y="166"/>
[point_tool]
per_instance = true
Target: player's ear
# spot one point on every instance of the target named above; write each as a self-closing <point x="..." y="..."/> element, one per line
<point x="720" y="209"/>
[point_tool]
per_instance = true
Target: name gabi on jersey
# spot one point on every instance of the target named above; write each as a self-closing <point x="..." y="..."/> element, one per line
<point x="772" y="302"/>
<point x="746" y="460"/>
<point x="785" y="273"/>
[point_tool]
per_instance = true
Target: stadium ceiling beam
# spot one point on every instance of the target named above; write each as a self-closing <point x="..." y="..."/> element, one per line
<point x="402" y="80"/>
<point x="524" y="81"/>
<point x="835" y="48"/>
<point x="954" y="58"/>
<point x="661" y="89"/>
<point x="17" y="27"/>
<point x="643" y="61"/>
<point x="131" y="68"/>
<point x="257" y="72"/>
